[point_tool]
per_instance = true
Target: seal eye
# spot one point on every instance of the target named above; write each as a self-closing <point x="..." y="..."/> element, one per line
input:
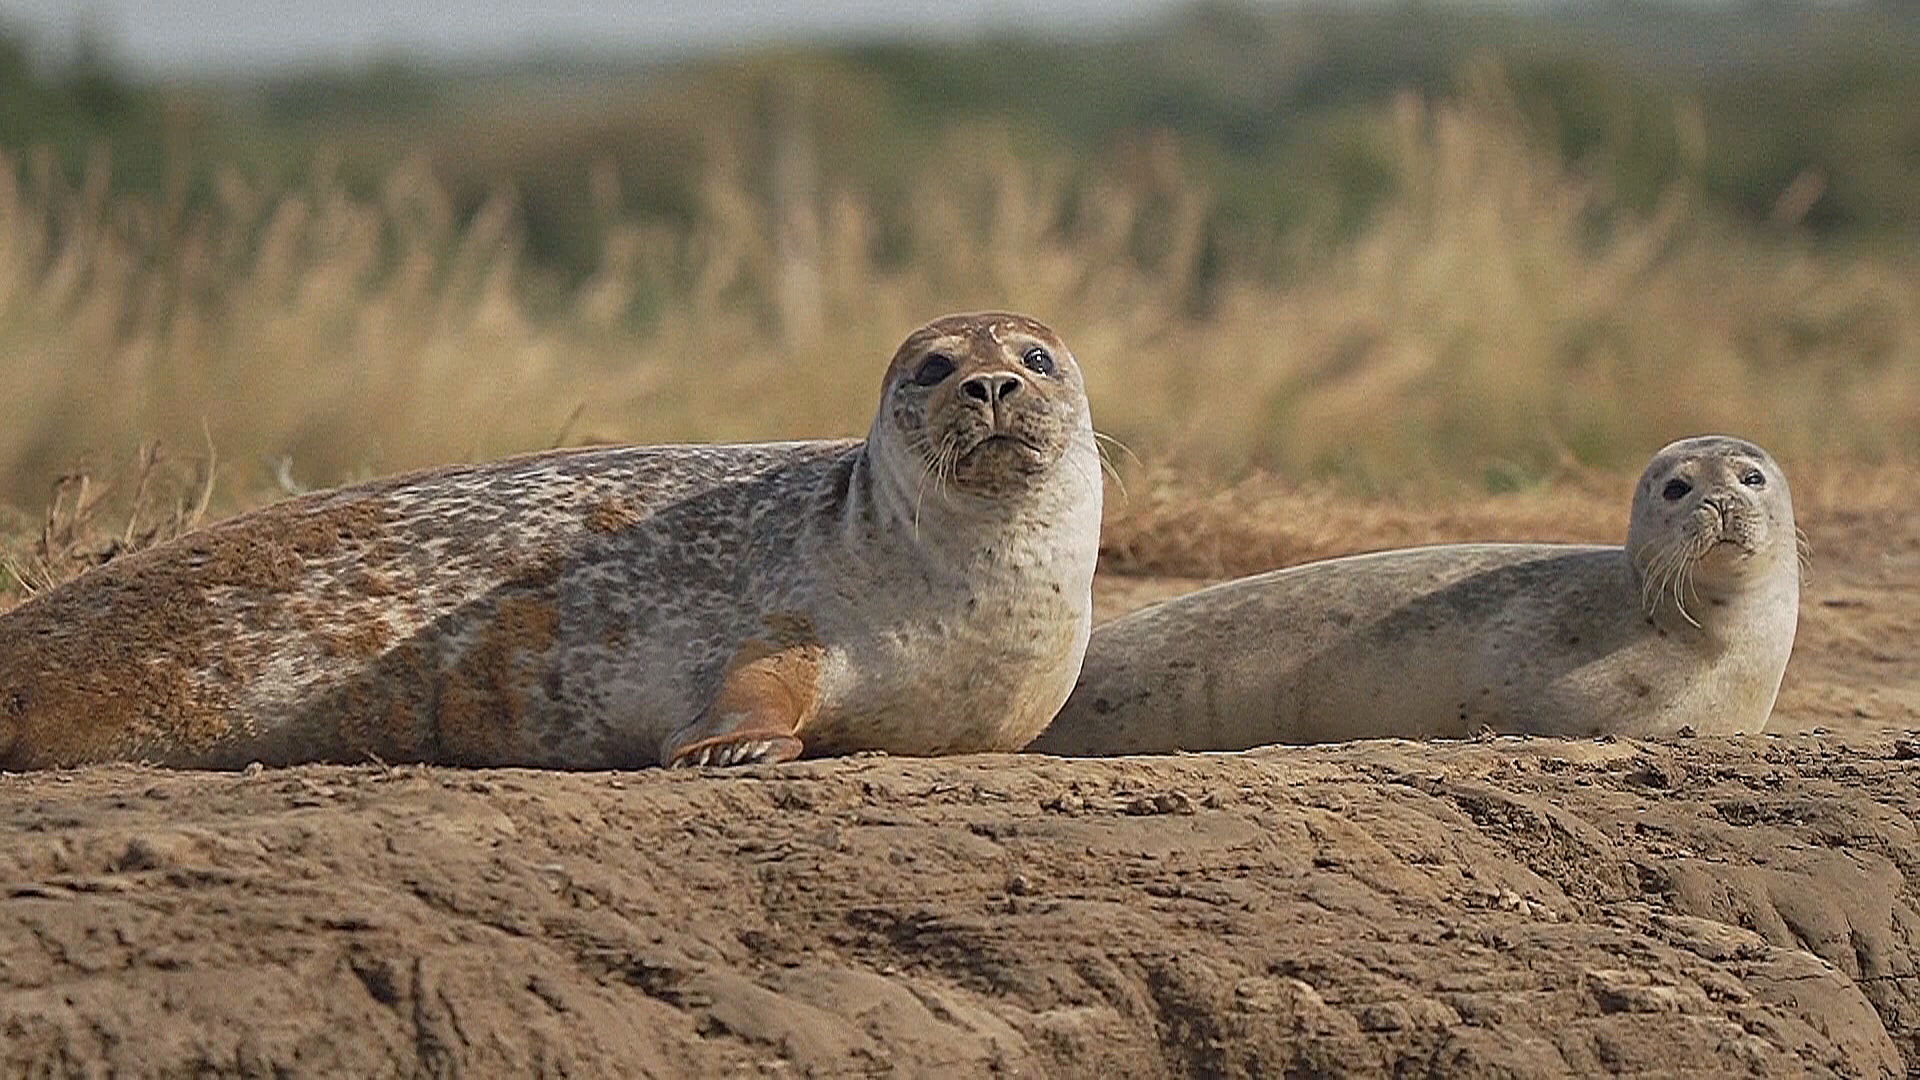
<point x="1754" y="478"/>
<point x="933" y="370"/>
<point x="1675" y="488"/>
<point x="1038" y="360"/>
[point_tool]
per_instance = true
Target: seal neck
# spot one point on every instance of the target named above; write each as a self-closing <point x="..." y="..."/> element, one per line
<point x="1721" y="612"/>
<point x="891" y="494"/>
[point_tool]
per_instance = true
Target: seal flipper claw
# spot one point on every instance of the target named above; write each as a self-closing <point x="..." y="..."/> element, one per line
<point x="739" y="748"/>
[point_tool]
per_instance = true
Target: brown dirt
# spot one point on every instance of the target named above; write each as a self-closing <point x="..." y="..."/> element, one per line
<point x="1504" y="908"/>
<point x="1703" y="907"/>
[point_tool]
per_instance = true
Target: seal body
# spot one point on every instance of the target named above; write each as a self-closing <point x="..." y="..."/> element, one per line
<point x="1690" y="624"/>
<point x="924" y="591"/>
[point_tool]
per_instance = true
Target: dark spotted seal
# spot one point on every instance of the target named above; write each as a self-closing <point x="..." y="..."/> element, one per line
<point x="925" y="591"/>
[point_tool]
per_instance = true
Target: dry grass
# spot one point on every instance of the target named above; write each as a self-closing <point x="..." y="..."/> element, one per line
<point x="91" y="519"/>
<point x="1499" y="326"/>
<point x="1480" y="329"/>
<point x="1168" y="523"/>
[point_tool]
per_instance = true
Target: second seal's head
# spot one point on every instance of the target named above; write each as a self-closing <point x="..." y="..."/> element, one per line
<point x="987" y="404"/>
<point x="1710" y="514"/>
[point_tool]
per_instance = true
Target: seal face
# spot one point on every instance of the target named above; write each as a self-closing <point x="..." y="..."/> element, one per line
<point x="926" y="590"/>
<point x="1690" y="624"/>
<point x="976" y="421"/>
<point x="1712" y="518"/>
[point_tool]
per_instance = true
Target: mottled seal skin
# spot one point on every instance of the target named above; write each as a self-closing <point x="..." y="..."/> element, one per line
<point x="925" y="591"/>
<point x="1690" y="624"/>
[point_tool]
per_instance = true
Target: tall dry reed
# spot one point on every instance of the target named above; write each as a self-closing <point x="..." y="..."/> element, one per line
<point x="1497" y="322"/>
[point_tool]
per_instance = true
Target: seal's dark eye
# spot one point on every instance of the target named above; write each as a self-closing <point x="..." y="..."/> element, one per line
<point x="933" y="370"/>
<point x="1675" y="488"/>
<point x="1038" y="360"/>
<point x="1754" y="478"/>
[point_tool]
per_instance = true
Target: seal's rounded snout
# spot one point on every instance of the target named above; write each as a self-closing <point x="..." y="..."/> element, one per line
<point x="993" y="386"/>
<point x="1728" y="518"/>
<point x="1718" y="509"/>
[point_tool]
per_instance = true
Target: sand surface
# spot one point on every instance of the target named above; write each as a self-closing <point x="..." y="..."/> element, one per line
<point x="1539" y="908"/>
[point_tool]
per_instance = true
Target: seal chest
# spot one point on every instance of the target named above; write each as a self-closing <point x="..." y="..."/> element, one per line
<point x="1690" y="624"/>
<point x="925" y="590"/>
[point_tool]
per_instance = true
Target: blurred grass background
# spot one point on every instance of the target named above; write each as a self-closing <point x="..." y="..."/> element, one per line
<point x="1379" y="248"/>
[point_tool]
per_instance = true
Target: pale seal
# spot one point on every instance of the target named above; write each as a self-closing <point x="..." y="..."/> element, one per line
<point x="1689" y="625"/>
<point x="925" y="591"/>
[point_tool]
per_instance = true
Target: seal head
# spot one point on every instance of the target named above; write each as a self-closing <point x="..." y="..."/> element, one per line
<point x="986" y="406"/>
<point x="1712" y="516"/>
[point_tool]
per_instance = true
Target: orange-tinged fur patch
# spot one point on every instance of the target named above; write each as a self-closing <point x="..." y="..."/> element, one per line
<point x="771" y="683"/>
<point x="614" y="515"/>
<point x="71" y="696"/>
<point x="484" y="702"/>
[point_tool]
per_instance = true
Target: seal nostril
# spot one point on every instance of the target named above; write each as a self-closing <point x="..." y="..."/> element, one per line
<point x="976" y="389"/>
<point x="1008" y="388"/>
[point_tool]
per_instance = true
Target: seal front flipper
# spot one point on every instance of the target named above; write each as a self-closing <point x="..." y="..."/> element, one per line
<point x="764" y="699"/>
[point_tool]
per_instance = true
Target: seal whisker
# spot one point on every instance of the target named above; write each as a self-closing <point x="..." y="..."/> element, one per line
<point x="1101" y="441"/>
<point x="1681" y="578"/>
<point x="1653" y="570"/>
<point x="1688" y="552"/>
<point x="920" y="487"/>
<point x="1108" y="440"/>
<point x="1663" y="585"/>
<point x="936" y="465"/>
<point x="946" y="463"/>
<point x="1647" y="604"/>
<point x="1668" y="573"/>
<point x="1665" y="567"/>
<point x="1080" y="470"/>
<point x="1687" y="565"/>
<point x="952" y="469"/>
<point x="1106" y="467"/>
